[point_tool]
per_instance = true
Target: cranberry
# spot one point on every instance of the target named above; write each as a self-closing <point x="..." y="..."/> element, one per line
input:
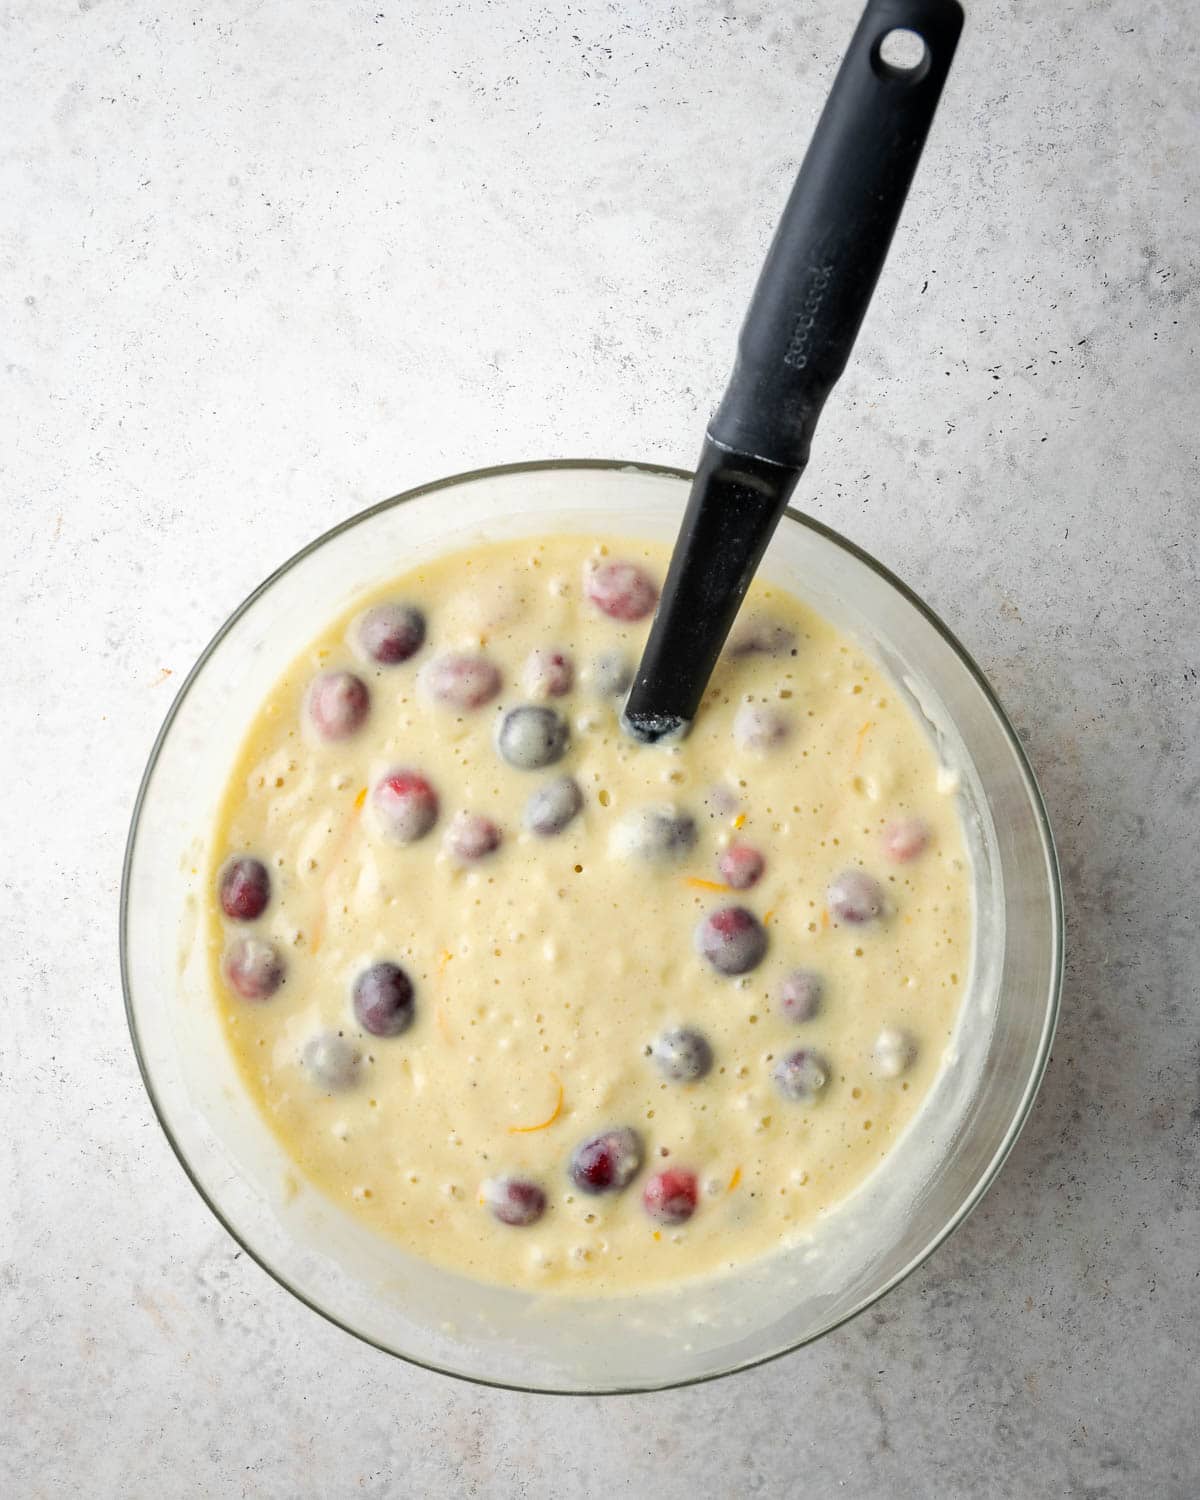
<point x="244" y="888"/>
<point x="471" y="836"/>
<point x="621" y="590"/>
<point x="384" y="1002"/>
<point x="607" y="1162"/>
<point x="461" y="681"/>
<point x="654" y="834"/>
<point x="610" y="674"/>
<point x="906" y="839"/>
<point x="732" y="939"/>
<point x="332" y="1061"/>
<point x="740" y="866"/>
<point x="761" y="635"/>
<point x="390" y="633"/>
<point x="683" y="1055"/>
<point x="514" y="1200"/>
<point x="555" y="804"/>
<point x="720" y="801"/>
<point x="855" y="897"/>
<point x="758" y="728"/>
<point x="801" y="1074"/>
<point x="548" y="673"/>
<point x="338" y="704"/>
<point x="529" y="738"/>
<point x="253" y="968"/>
<point x="800" y="995"/>
<point x="406" y="805"/>
<point x="894" y="1052"/>
<point x="670" y="1196"/>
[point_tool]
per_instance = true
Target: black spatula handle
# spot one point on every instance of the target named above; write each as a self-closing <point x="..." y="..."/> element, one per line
<point x="810" y="300"/>
<point x="830" y="246"/>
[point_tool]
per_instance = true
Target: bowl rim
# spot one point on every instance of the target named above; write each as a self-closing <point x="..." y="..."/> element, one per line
<point x="986" y="1178"/>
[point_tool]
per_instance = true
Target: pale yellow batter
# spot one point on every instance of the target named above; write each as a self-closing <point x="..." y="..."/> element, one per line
<point x="545" y="971"/>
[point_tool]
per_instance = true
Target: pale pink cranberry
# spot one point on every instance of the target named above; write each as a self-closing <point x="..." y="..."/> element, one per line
<point x="906" y="839"/>
<point x="390" y="633"/>
<point x="471" y="836"/>
<point x="740" y="866"/>
<point x="800" y="995"/>
<point x="548" y="673"/>
<point x="801" y="1075"/>
<point x="855" y="897"/>
<point x="759" y="728"/>
<point x="406" y="805"/>
<point x="761" y="636"/>
<point x="514" y="1200"/>
<point x="253" y="968"/>
<point x="621" y="590"/>
<point x="461" y="680"/>
<point x="338" y="704"/>
<point x="733" y="940"/>
<point x="670" y="1196"/>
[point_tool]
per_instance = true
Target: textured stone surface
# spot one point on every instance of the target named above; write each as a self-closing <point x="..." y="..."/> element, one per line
<point x="264" y="263"/>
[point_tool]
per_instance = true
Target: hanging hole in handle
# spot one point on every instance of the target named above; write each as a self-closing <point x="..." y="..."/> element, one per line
<point x="901" y="54"/>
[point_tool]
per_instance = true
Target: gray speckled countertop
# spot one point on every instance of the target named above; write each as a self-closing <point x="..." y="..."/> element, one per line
<point x="264" y="263"/>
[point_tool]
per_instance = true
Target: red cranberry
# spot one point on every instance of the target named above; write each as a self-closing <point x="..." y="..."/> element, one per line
<point x="548" y="673"/>
<point x="740" y="866"/>
<point x="471" y="836"/>
<point x="670" y="1196"/>
<point x="338" y="704"/>
<point x="732" y="939"/>
<point x="383" y="1000"/>
<point x="621" y="590"/>
<point x="906" y="839"/>
<point x="607" y="1162"/>
<point x="460" y="680"/>
<point x="244" y="888"/>
<point x="253" y="968"/>
<point x="390" y="633"/>
<point x="406" y="804"/>
<point x="855" y="897"/>
<point x="514" y="1200"/>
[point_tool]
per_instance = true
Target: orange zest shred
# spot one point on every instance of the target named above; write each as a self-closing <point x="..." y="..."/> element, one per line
<point x="740" y="821"/>
<point x="658" y="1234"/>
<point x="824" y="916"/>
<point x="444" y="958"/>
<point x="550" y="1119"/>
<point x="318" y="927"/>
<point x="860" y="738"/>
<point x="704" y="885"/>
<point x="735" y="1179"/>
<point x="767" y="915"/>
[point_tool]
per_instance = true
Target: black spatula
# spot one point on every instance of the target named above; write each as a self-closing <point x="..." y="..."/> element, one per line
<point x="810" y="300"/>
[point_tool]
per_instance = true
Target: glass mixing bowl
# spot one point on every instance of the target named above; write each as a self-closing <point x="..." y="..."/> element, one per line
<point x="934" y="1175"/>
